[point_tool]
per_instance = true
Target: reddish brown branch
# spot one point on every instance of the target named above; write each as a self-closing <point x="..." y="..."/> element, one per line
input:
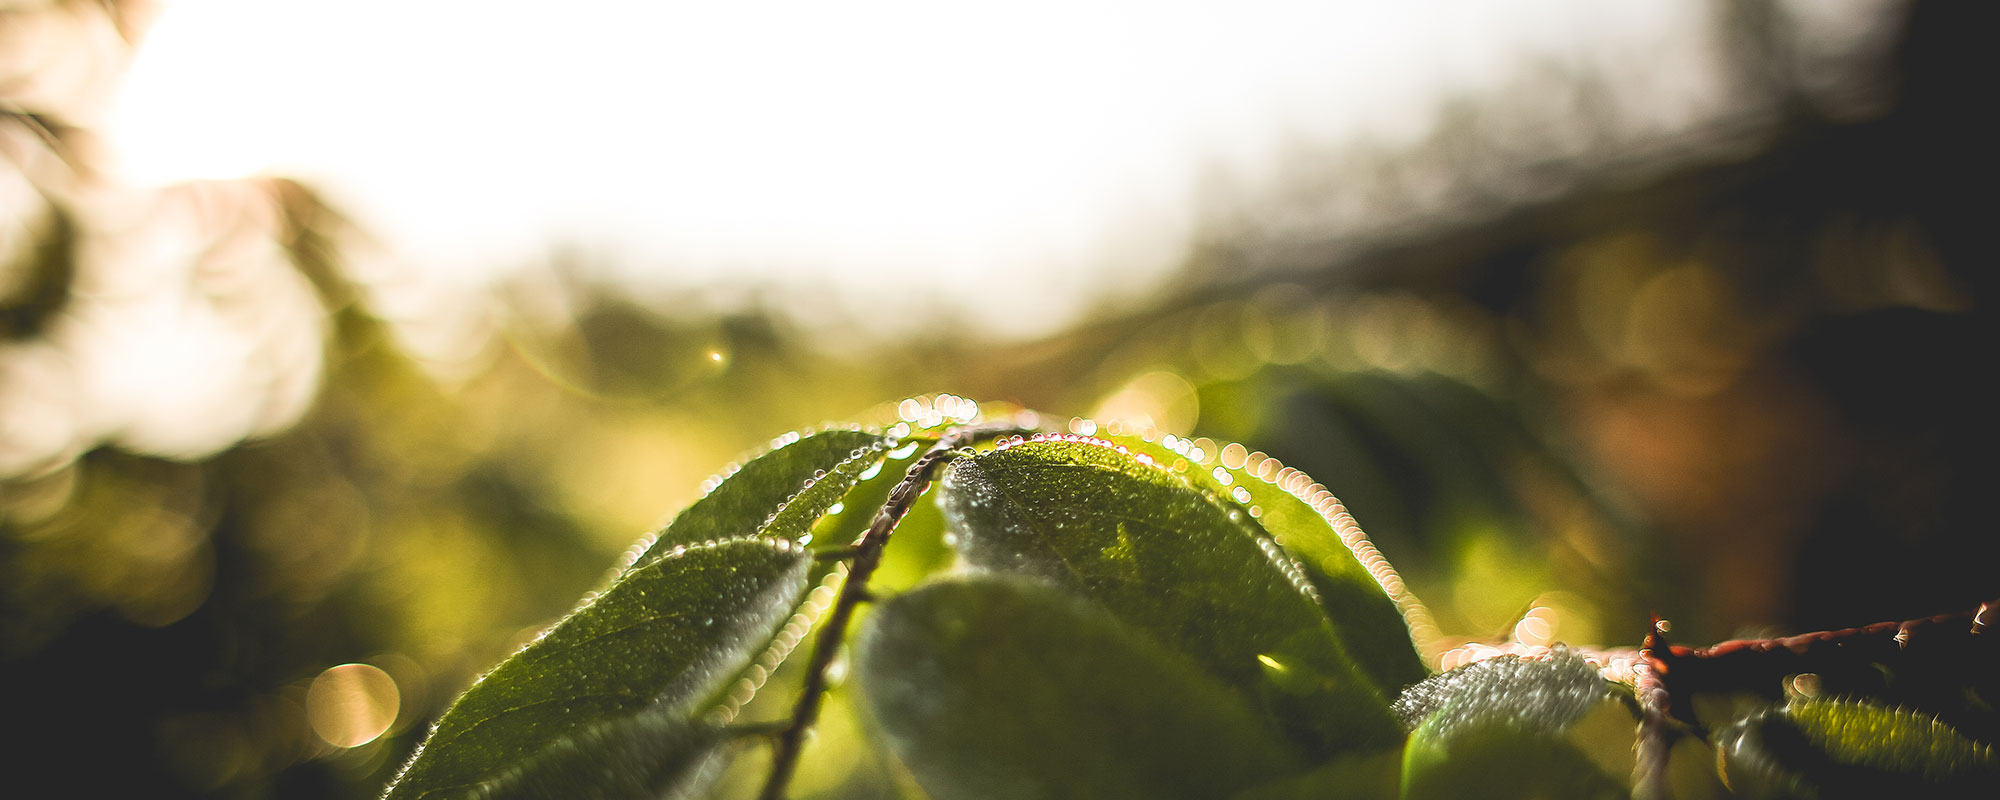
<point x="1669" y="675"/>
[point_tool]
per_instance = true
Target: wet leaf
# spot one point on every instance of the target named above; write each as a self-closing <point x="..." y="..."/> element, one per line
<point x="1819" y="748"/>
<point x="1365" y="618"/>
<point x="615" y="700"/>
<point x="1175" y="563"/>
<point x="1497" y="728"/>
<point x="1534" y="694"/>
<point x="995" y="686"/>
<point x="780" y="493"/>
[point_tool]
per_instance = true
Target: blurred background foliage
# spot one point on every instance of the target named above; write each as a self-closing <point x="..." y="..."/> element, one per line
<point x="1566" y="365"/>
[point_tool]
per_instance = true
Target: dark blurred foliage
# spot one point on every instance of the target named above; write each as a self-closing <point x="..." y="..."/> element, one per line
<point x="1730" y="375"/>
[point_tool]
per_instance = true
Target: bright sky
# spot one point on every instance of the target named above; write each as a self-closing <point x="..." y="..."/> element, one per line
<point x="849" y="148"/>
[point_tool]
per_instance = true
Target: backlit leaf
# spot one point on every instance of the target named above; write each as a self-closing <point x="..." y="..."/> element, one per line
<point x="994" y="686"/>
<point x="615" y="700"/>
<point x="780" y="493"/>
<point x="1192" y="572"/>
<point x="1365" y="617"/>
<point x="1818" y="748"/>
<point x="1497" y="728"/>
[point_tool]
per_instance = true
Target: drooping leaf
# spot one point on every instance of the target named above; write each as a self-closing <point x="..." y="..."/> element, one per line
<point x="616" y="697"/>
<point x="996" y="686"/>
<point x="1821" y="748"/>
<point x="1497" y="728"/>
<point x="1295" y="511"/>
<point x="780" y="493"/>
<point x="1175" y="563"/>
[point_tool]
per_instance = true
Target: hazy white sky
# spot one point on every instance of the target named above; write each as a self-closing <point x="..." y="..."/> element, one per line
<point x="850" y="148"/>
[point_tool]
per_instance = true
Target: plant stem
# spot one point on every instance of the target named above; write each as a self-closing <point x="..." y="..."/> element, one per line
<point x="1668" y="672"/>
<point x="867" y="554"/>
<point x="1656" y="730"/>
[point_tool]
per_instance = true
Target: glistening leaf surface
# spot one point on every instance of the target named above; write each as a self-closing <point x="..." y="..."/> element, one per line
<point x="780" y="493"/>
<point x="993" y="686"/>
<point x="1174" y="563"/>
<point x="1506" y="716"/>
<point x="622" y="684"/>
<point x="1841" y="747"/>
<point x="1365" y="618"/>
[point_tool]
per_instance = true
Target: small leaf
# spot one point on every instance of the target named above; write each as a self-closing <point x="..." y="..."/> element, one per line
<point x="1174" y="563"/>
<point x="1496" y="728"/>
<point x="1365" y="617"/>
<point x="1839" y="747"/>
<point x="780" y="493"/>
<point x="991" y="686"/>
<point x="615" y="697"/>
<point x="1535" y="694"/>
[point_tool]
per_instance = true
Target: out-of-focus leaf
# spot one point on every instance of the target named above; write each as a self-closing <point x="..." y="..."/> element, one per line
<point x="1365" y="618"/>
<point x="1839" y="748"/>
<point x="1500" y="762"/>
<point x="35" y="286"/>
<point x="780" y="493"/>
<point x="1354" y="776"/>
<point x="613" y="701"/>
<point x="1496" y="728"/>
<point x="992" y="686"/>
<point x="1192" y="572"/>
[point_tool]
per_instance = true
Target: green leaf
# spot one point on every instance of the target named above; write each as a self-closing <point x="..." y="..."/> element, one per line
<point x="779" y="494"/>
<point x="1354" y="776"/>
<point x="1534" y="694"/>
<point x="1192" y="572"/>
<point x="995" y="686"/>
<point x="1496" y="728"/>
<point x="616" y="699"/>
<point x="1839" y="747"/>
<point x="1300" y="515"/>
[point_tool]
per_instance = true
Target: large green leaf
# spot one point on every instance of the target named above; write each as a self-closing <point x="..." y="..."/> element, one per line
<point x="1191" y="571"/>
<point x="1498" y="728"/>
<point x="614" y="701"/>
<point x="1300" y="514"/>
<point x="1819" y="748"/>
<point x="1003" y="687"/>
<point x="780" y="493"/>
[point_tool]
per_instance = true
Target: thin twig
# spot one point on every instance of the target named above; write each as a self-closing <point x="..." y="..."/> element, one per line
<point x="867" y="555"/>
<point x="1757" y="664"/>
<point x="1669" y="675"/>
